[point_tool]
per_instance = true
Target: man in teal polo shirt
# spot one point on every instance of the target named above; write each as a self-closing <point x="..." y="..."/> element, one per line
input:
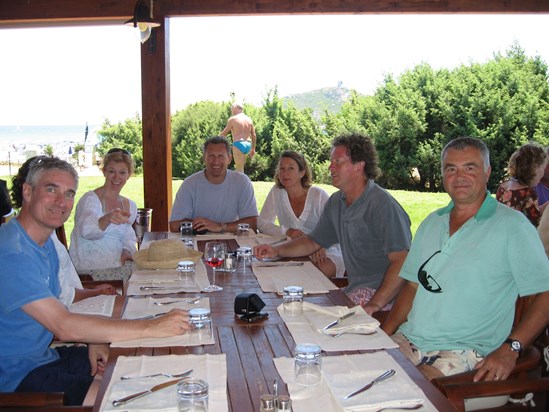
<point x="467" y="265"/>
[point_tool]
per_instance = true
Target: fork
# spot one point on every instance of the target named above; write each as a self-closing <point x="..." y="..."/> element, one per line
<point x="167" y="375"/>
<point x="395" y="408"/>
<point x="192" y="301"/>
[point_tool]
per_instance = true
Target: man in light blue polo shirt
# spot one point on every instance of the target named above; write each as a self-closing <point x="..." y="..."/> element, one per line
<point x="466" y="267"/>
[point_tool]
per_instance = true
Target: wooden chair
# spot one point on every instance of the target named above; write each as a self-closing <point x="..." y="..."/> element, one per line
<point x="525" y="378"/>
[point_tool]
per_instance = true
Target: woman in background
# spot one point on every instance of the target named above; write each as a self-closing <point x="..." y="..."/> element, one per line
<point x="525" y="169"/>
<point x="103" y="239"/>
<point x="298" y="206"/>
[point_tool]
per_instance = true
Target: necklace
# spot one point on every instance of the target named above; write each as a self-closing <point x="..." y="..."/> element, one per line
<point x="103" y="203"/>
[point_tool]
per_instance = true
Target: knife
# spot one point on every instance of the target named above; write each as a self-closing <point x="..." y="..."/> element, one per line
<point x="129" y="398"/>
<point x="272" y="265"/>
<point x="158" y="288"/>
<point x="335" y="322"/>
<point x="156" y="315"/>
<point x="382" y="377"/>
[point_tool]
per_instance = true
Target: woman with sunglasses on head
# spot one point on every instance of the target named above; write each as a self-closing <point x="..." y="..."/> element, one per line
<point x="298" y="206"/>
<point x="103" y="240"/>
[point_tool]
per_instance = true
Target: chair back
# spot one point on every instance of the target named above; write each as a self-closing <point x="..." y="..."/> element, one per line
<point x="61" y="235"/>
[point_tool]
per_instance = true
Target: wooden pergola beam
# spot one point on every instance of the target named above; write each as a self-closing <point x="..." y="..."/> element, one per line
<point x="155" y="76"/>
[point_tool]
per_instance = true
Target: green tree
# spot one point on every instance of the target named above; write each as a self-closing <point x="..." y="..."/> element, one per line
<point x="126" y="135"/>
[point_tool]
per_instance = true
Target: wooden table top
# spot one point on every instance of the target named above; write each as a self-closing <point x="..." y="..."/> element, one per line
<point x="251" y="347"/>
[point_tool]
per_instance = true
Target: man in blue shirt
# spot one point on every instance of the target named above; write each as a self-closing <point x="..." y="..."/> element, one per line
<point x="467" y="265"/>
<point x="30" y="312"/>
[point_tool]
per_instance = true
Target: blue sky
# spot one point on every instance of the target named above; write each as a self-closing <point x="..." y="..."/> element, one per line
<point x="50" y="78"/>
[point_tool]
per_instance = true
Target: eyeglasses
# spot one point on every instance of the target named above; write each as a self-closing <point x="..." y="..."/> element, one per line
<point x="425" y="279"/>
<point x="118" y="150"/>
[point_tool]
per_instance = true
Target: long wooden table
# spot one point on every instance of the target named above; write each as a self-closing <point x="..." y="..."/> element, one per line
<point x="250" y="348"/>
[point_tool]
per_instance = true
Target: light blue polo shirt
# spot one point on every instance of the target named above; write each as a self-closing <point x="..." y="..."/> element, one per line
<point x="494" y="257"/>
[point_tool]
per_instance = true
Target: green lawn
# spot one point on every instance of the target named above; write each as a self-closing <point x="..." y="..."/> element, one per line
<point x="418" y="205"/>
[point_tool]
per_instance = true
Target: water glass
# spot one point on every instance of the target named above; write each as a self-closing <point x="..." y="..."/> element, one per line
<point x="192" y="395"/>
<point x="243" y="229"/>
<point x="186" y="271"/>
<point x="200" y="324"/>
<point x="307" y="364"/>
<point x="244" y="257"/>
<point x="293" y="300"/>
<point x="186" y="230"/>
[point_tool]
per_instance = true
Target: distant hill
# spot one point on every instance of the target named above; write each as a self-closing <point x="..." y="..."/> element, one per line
<point x="328" y="98"/>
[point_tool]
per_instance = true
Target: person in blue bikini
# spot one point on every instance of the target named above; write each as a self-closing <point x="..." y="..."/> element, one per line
<point x="241" y="128"/>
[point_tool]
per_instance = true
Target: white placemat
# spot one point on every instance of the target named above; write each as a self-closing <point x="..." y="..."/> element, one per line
<point x="306" y="328"/>
<point x="96" y="305"/>
<point x="275" y="277"/>
<point x="141" y="307"/>
<point x="211" y="368"/>
<point x="342" y="375"/>
<point x="150" y="281"/>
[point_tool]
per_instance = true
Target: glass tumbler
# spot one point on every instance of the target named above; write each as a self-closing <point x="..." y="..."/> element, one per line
<point x="186" y="271"/>
<point x="244" y="257"/>
<point x="243" y="229"/>
<point x="200" y="324"/>
<point x="307" y="364"/>
<point x="192" y="395"/>
<point x="293" y="300"/>
<point x="186" y="231"/>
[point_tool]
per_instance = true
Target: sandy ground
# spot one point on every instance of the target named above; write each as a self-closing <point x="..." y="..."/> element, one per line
<point x="90" y="171"/>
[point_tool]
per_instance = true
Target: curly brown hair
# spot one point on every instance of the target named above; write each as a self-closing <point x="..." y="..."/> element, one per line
<point x="360" y="148"/>
<point x="524" y="162"/>
<point x="306" y="180"/>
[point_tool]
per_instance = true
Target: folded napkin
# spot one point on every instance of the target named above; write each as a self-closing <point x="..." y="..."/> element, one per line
<point x="167" y="281"/>
<point x="320" y="316"/>
<point x="307" y="328"/>
<point x="308" y="276"/>
<point x="141" y="307"/>
<point x="391" y="393"/>
<point x="342" y="375"/>
<point x="96" y="305"/>
<point x="211" y="368"/>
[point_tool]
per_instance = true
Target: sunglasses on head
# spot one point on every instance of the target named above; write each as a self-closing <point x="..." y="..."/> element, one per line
<point x="117" y="150"/>
<point x="425" y="279"/>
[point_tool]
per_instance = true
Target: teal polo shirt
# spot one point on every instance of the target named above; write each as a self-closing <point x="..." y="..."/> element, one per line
<point x="482" y="268"/>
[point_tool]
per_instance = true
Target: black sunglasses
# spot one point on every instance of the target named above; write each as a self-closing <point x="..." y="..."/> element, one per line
<point x="117" y="150"/>
<point x="424" y="277"/>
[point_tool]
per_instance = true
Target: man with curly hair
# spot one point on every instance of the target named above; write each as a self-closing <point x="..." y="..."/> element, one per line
<point x="370" y="225"/>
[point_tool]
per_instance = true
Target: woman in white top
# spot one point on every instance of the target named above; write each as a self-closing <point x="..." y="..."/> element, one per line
<point x="298" y="206"/>
<point x="103" y="240"/>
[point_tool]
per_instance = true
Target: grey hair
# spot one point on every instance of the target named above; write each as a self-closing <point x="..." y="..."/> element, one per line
<point x="42" y="164"/>
<point x="461" y="143"/>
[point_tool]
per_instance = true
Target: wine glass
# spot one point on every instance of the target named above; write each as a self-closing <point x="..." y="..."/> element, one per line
<point x="214" y="254"/>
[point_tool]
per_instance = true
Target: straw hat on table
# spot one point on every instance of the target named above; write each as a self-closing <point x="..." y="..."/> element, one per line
<point x="165" y="254"/>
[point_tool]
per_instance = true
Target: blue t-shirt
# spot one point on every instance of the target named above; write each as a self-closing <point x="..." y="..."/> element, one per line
<point x="28" y="273"/>
<point x="225" y="202"/>
<point x="482" y="269"/>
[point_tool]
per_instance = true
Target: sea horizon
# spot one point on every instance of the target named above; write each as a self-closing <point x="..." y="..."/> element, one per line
<point x="47" y="134"/>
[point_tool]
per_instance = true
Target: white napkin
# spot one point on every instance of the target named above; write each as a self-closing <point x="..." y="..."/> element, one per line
<point x="307" y="328"/>
<point x="141" y="307"/>
<point x="211" y="368"/>
<point x="320" y="316"/>
<point x="168" y="280"/>
<point x="96" y="305"/>
<point x="347" y="373"/>
<point x="392" y="392"/>
<point x="308" y="276"/>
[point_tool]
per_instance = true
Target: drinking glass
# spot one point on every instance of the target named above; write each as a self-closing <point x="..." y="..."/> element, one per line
<point x="186" y="230"/>
<point x="214" y="254"/>
<point x="192" y="395"/>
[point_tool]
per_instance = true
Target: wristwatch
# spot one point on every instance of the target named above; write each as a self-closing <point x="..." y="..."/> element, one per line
<point x="515" y="345"/>
<point x="223" y="227"/>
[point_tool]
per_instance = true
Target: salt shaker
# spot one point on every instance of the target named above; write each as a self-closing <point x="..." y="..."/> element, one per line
<point x="267" y="403"/>
<point x="283" y="403"/>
